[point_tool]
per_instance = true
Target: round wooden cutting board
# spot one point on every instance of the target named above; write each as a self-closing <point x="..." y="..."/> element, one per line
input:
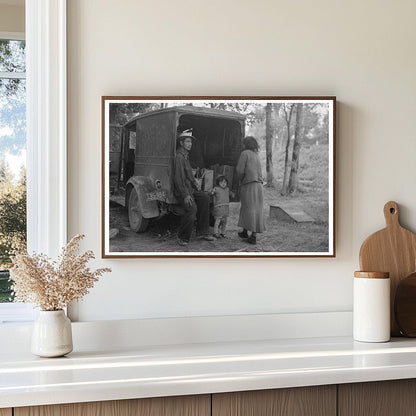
<point x="393" y="250"/>
<point x="405" y="306"/>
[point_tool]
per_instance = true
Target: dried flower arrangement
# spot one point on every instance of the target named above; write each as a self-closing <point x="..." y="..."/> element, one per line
<point x="53" y="285"/>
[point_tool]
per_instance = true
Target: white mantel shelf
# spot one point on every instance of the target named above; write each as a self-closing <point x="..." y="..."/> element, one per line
<point x="167" y="370"/>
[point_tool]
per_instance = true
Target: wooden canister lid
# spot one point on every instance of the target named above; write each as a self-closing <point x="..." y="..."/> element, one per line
<point x="372" y="275"/>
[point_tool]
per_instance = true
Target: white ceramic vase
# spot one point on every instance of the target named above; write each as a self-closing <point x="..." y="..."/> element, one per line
<point x="52" y="334"/>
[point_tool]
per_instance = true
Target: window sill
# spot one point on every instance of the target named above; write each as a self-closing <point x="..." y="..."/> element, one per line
<point x="16" y="313"/>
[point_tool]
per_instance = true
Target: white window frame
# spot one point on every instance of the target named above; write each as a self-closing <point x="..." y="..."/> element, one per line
<point x="46" y="133"/>
<point x="46" y="125"/>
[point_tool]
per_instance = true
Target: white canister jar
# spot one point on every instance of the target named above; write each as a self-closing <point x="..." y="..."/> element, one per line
<point x="371" y="309"/>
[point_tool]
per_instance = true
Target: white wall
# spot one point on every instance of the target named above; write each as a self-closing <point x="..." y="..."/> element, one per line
<point x="363" y="52"/>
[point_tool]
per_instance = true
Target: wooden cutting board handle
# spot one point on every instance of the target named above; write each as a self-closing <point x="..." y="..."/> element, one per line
<point x="391" y="214"/>
<point x="393" y="250"/>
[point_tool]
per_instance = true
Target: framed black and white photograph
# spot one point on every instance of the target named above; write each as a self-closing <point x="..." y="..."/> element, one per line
<point x="218" y="176"/>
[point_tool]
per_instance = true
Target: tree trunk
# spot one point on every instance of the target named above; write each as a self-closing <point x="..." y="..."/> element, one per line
<point x="269" y="146"/>
<point x="288" y="117"/>
<point x="297" y="143"/>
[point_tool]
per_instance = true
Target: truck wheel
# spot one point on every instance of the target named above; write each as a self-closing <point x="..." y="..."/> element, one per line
<point x="137" y="223"/>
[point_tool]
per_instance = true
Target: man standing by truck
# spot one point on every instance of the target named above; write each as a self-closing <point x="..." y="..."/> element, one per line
<point x="193" y="201"/>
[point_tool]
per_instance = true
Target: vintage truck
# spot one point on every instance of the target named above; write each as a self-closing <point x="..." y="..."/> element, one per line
<point x="142" y="169"/>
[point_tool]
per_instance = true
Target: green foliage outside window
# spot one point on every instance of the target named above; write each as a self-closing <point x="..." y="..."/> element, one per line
<point x="12" y="148"/>
<point x="12" y="224"/>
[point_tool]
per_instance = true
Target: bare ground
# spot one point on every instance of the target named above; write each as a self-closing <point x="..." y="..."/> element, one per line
<point x="282" y="237"/>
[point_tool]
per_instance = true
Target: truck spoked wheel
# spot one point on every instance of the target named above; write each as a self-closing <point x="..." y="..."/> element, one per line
<point x="137" y="222"/>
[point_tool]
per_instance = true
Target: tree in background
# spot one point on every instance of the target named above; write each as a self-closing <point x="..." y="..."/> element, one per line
<point x="12" y="98"/>
<point x="287" y="110"/>
<point x="269" y="146"/>
<point x="12" y="213"/>
<point x="121" y="113"/>
<point x="12" y="145"/>
<point x="315" y="124"/>
<point x="297" y="143"/>
<point x="248" y="109"/>
<point x="6" y="176"/>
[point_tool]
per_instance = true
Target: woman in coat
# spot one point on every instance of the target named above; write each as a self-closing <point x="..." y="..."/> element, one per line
<point x="251" y="191"/>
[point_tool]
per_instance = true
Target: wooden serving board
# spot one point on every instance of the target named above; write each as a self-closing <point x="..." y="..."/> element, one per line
<point x="393" y="250"/>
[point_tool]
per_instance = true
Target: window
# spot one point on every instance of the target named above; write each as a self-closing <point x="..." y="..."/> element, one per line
<point x="12" y="154"/>
<point x="46" y="135"/>
<point x="12" y="165"/>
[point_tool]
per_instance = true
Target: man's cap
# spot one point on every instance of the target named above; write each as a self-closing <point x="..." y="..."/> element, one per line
<point x="185" y="135"/>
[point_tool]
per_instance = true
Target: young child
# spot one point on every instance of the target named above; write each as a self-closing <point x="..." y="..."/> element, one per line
<point x="221" y="210"/>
